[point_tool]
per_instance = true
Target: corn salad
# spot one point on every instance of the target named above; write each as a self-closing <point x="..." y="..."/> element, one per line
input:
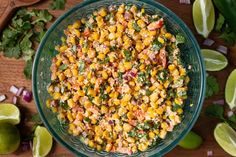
<point x="118" y="81"/>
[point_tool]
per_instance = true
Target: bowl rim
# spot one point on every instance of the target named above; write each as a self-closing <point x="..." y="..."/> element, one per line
<point x="162" y="8"/>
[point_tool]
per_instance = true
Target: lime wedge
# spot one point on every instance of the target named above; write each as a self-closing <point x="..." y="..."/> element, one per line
<point x="42" y="142"/>
<point x="203" y="16"/>
<point x="226" y="138"/>
<point x="191" y="141"/>
<point x="230" y="90"/>
<point x="214" y="60"/>
<point x="9" y="113"/>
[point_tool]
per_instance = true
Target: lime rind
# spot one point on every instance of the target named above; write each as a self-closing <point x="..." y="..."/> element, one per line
<point x="214" y="60"/>
<point x="42" y="142"/>
<point x="203" y="16"/>
<point x="226" y="138"/>
<point x="9" y="113"/>
<point x="230" y="90"/>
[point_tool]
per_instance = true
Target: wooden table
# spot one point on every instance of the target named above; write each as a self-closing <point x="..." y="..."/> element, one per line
<point x="11" y="73"/>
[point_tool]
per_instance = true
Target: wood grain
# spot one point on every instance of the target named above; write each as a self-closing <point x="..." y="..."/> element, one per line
<point x="11" y="73"/>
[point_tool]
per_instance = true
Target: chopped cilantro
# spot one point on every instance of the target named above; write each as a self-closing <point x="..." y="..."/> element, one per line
<point x="63" y="67"/>
<point x="148" y="92"/>
<point x="180" y="39"/>
<point x="128" y="55"/>
<point x="64" y="105"/>
<point x="136" y="27"/>
<point x="156" y="45"/>
<point x="28" y="69"/>
<point x="212" y="87"/>
<point x="87" y="120"/>
<point x="131" y="133"/>
<point x="58" y="5"/>
<point x="81" y="66"/>
<point x="162" y="75"/>
<point x="219" y="22"/>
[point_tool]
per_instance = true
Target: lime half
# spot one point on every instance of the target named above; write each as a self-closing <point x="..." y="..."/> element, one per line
<point x="191" y="141"/>
<point x="203" y="16"/>
<point x="9" y="113"/>
<point x="42" y="142"/>
<point x="226" y="138"/>
<point x="214" y="60"/>
<point x="230" y="90"/>
<point x="9" y="138"/>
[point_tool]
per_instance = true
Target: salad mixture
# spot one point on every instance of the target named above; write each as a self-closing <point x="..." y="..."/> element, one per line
<point x="118" y="81"/>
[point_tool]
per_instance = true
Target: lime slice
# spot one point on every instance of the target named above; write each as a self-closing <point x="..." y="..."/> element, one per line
<point x="191" y="141"/>
<point x="226" y="138"/>
<point x="214" y="60"/>
<point x="230" y="90"/>
<point x="203" y="16"/>
<point x="9" y="113"/>
<point x="42" y="142"/>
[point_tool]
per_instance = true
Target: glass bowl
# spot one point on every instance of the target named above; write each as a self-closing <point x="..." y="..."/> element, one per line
<point x="191" y="57"/>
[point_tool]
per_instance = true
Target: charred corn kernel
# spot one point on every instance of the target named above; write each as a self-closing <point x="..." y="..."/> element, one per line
<point x="63" y="48"/>
<point x="97" y="101"/>
<point x="72" y="40"/>
<point x="80" y="78"/>
<point x="127" y="127"/>
<point x="144" y="107"/>
<point x="76" y="24"/>
<point x="168" y="36"/>
<point x="159" y="111"/>
<point x="104" y="109"/>
<point x="58" y="63"/>
<point x="164" y="125"/>
<point x="56" y="95"/>
<point x="142" y="67"/>
<point x="67" y="72"/>
<point x="69" y="117"/>
<point x="137" y="88"/>
<point x="144" y="56"/>
<point x="161" y="40"/>
<point x="139" y="46"/>
<point x="120" y="28"/>
<point x="108" y="147"/>
<point x="104" y="75"/>
<point x="182" y="71"/>
<point x="115" y="116"/>
<point x="75" y="72"/>
<point x="152" y="88"/>
<point x="92" y="92"/>
<point x="130" y="115"/>
<point x="180" y="111"/>
<point x="162" y="134"/>
<point x="102" y="12"/>
<point x="91" y="143"/>
<point x="108" y="89"/>
<point x="95" y="36"/>
<point x="77" y="33"/>
<point x="101" y="56"/>
<point x="153" y="72"/>
<point x="168" y="103"/>
<point x="93" y="120"/>
<point x="160" y="87"/>
<point x="147" y="41"/>
<point x="151" y="135"/>
<point x="166" y="84"/>
<point x="48" y="103"/>
<point x="152" y="33"/>
<point x="87" y="104"/>
<point x="61" y="77"/>
<point x="99" y="147"/>
<point x="70" y="103"/>
<point x="175" y="72"/>
<point x="141" y="23"/>
<point x="142" y="146"/>
<point x="132" y="83"/>
<point x="127" y="65"/>
<point x="130" y="139"/>
<point x="178" y="101"/>
<point x="68" y="85"/>
<point x="171" y="67"/>
<point x="112" y="28"/>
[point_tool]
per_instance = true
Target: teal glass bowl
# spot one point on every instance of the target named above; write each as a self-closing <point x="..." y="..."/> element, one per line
<point x="191" y="57"/>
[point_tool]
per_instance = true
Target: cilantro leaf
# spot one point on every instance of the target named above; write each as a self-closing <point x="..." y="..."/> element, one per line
<point x="28" y="69"/>
<point x="43" y="16"/>
<point x="81" y="66"/>
<point x="215" y="111"/>
<point x="212" y="87"/>
<point x="28" y="54"/>
<point x="128" y="55"/>
<point x="136" y="27"/>
<point x="58" y="4"/>
<point x="219" y="22"/>
<point x="26" y="44"/>
<point x="229" y="37"/>
<point x="12" y="52"/>
<point x="180" y="39"/>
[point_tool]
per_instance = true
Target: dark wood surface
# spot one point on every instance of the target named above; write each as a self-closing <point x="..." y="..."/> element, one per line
<point x="11" y="73"/>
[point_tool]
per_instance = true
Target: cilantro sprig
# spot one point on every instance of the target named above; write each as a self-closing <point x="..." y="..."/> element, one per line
<point x="24" y="31"/>
<point x="212" y="86"/>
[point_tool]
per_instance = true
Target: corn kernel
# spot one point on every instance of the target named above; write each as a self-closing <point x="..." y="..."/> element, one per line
<point x="104" y="109"/>
<point x="112" y="29"/>
<point x="104" y="75"/>
<point x="71" y="103"/>
<point x="151" y="135"/>
<point x="159" y="111"/>
<point x="161" y="40"/>
<point x="142" y="67"/>
<point x="101" y="56"/>
<point x="142" y="146"/>
<point x="108" y="89"/>
<point x="127" y="65"/>
<point x="102" y="12"/>
<point x="127" y="127"/>
<point x="141" y="23"/>
<point x="180" y="111"/>
<point x="56" y="95"/>
<point x="91" y="143"/>
<point x="168" y="36"/>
